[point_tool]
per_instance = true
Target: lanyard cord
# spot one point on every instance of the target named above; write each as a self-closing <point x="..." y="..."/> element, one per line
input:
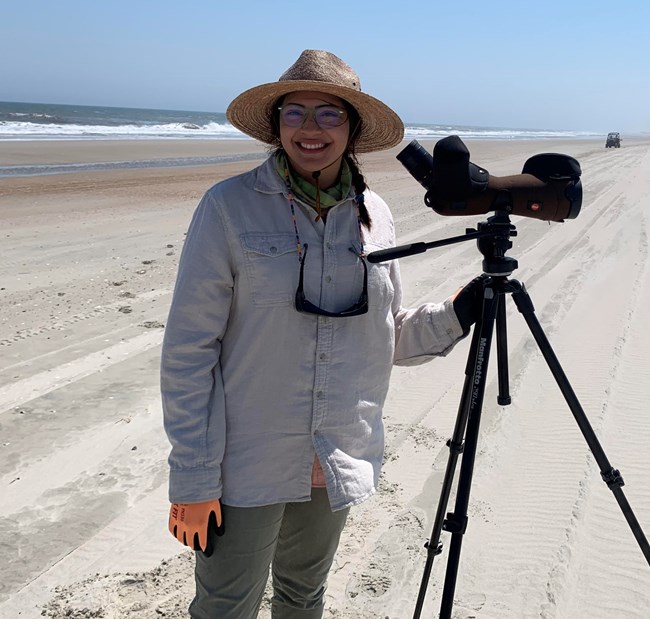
<point x="316" y="177"/>
<point x="358" y="199"/>
<point x="293" y="213"/>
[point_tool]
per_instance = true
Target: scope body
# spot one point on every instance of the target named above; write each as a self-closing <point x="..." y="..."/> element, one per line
<point x="549" y="187"/>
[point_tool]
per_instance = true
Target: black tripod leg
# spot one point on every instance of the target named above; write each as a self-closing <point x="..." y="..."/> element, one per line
<point x="456" y="521"/>
<point x="610" y="475"/>
<point x="456" y="443"/>
<point x="502" y="354"/>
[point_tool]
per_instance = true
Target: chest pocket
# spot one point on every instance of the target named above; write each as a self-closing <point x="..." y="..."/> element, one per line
<point x="272" y="267"/>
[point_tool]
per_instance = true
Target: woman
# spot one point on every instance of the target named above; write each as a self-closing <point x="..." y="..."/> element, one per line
<point x="280" y="342"/>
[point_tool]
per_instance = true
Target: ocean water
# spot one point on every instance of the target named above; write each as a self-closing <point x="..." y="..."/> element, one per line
<point x="40" y="121"/>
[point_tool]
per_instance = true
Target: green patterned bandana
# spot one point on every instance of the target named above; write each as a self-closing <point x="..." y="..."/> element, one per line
<point x="307" y="192"/>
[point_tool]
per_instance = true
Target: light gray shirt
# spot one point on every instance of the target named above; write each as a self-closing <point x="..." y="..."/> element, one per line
<point x="251" y="388"/>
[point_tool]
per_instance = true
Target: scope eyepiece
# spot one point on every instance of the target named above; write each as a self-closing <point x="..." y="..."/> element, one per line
<point x="418" y="162"/>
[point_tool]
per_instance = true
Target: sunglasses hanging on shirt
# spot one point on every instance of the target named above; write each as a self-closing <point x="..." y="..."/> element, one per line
<point x="305" y="306"/>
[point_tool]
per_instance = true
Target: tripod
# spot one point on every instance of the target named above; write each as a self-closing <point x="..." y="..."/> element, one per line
<point x="493" y="240"/>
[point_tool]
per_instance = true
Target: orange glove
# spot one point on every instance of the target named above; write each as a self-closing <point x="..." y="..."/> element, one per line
<point x="191" y="523"/>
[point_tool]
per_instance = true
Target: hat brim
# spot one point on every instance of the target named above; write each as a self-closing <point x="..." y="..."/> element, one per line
<point x="250" y="112"/>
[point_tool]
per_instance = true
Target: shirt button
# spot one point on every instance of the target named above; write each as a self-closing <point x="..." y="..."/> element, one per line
<point x="323" y="356"/>
<point x="319" y="394"/>
<point x="273" y="250"/>
<point x="328" y="279"/>
<point x="330" y="246"/>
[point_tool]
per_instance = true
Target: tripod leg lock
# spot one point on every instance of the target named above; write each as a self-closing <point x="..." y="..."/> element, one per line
<point x="612" y="478"/>
<point x="433" y="551"/>
<point x="455" y="524"/>
<point x="455" y="447"/>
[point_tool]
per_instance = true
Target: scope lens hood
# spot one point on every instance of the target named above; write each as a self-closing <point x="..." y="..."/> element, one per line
<point x="548" y="166"/>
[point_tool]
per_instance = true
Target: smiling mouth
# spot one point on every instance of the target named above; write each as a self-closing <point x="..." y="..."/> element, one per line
<point x="312" y="147"/>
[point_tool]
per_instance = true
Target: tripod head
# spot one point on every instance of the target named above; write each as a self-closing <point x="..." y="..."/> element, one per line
<point x="492" y="238"/>
<point x="493" y="241"/>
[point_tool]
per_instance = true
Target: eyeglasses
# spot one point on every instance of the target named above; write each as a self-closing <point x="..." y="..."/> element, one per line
<point x="325" y="116"/>
<point x="307" y="307"/>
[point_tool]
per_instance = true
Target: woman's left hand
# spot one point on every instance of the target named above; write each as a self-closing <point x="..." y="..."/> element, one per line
<point x="468" y="302"/>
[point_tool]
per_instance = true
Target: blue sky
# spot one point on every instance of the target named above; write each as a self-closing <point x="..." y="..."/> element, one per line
<point x="542" y="65"/>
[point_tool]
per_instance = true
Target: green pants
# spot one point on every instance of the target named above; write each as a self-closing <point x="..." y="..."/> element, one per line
<point x="298" y="539"/>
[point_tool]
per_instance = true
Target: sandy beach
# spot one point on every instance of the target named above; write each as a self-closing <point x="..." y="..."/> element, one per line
<point x="88" y="266"/>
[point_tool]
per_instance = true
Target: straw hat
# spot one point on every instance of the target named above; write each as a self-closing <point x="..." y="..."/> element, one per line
<point x="317" y="71"/>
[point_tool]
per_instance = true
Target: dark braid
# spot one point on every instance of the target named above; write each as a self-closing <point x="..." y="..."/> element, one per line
<point x="358" y="181"/>
<point x="359" y="184"/>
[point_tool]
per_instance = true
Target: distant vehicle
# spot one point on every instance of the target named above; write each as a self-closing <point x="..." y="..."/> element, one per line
<point x="613" y="140"/>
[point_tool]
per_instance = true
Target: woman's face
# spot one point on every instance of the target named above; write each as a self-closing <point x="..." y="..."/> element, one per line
<point x="311" y="148"/>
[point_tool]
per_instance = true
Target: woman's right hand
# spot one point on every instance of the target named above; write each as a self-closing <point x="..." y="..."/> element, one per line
<point x="191" y="523"/>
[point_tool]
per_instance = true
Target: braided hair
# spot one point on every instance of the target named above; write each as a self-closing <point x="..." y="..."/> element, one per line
<point x="359" y="184"/>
